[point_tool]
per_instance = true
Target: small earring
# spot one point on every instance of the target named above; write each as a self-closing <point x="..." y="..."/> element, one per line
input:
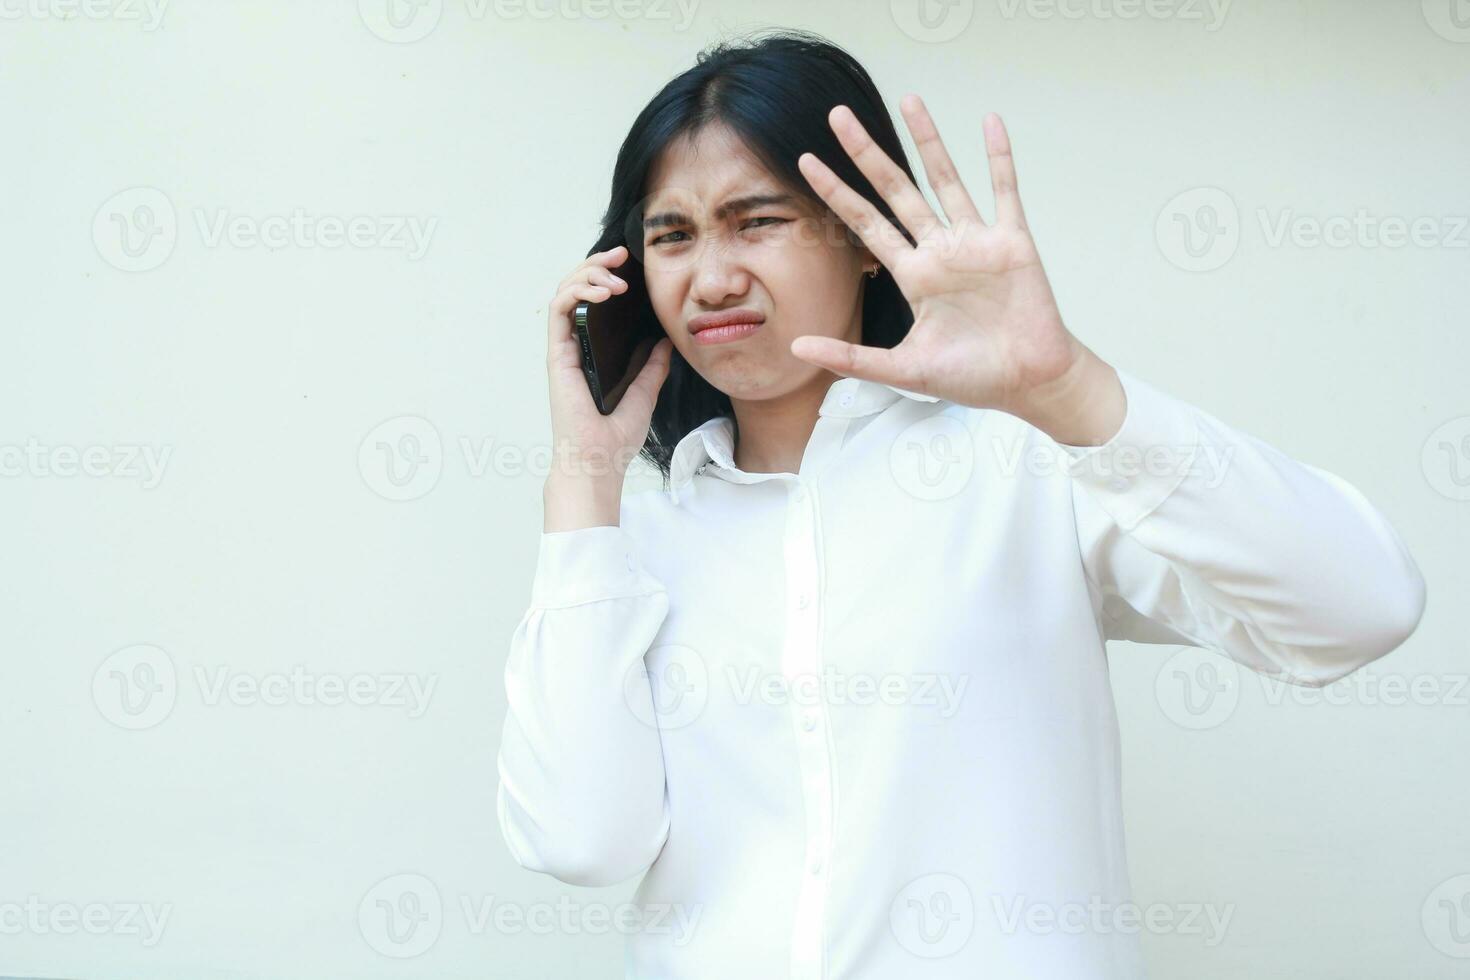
<point x="873" y="272"/>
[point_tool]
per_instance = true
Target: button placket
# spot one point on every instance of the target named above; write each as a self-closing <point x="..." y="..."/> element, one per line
<point x="802" y="664"/>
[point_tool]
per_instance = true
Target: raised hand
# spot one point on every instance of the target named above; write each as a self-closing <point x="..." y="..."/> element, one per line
<point x="987" y="331"/>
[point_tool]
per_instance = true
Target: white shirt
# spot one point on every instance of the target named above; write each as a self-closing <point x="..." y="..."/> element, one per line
<point x="876" y="723"/>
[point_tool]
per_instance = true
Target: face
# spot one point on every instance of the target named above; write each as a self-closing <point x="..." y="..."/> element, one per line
<point x="721" y="234"/>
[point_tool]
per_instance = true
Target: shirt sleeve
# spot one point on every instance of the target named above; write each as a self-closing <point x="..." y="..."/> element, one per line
<point x="1198" y="534"/>
<point x="581" y="794"/>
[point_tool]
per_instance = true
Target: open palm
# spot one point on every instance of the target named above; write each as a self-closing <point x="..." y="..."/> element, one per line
<point x="987" y="331"/>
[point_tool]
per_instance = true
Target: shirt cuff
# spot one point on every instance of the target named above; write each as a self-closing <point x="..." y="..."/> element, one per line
<point x="1145" y="460"/>
<point x="587" y="564"/>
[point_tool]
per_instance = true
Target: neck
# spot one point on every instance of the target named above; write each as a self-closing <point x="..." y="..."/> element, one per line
<point x="771" y="434"/>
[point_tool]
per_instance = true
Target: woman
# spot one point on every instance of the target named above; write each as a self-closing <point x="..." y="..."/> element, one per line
<point x="841" y="688"/>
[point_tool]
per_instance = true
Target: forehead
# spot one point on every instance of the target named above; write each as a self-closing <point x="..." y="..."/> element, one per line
<point x="706" y="168"/>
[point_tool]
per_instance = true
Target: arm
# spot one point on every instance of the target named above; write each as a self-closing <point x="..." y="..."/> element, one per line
<point x="1204" y="535"/>
<point x="1283" y="566"/>
<point x="581" y="794"/>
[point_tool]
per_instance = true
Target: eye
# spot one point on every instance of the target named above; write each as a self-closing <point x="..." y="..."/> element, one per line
<point x="660" y="239"/>
<point x="753" y="221"/>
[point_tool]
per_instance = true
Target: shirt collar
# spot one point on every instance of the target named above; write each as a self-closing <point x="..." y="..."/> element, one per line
<point x="714" y="441"/>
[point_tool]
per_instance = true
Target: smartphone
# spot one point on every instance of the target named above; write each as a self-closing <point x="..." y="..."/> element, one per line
<point x="616" y="335"/>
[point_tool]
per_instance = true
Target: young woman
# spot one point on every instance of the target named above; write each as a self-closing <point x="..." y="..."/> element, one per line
<point x="839" y="690"/>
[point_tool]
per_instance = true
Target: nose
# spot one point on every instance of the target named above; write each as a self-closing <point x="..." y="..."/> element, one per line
<point x="717" y="276"/>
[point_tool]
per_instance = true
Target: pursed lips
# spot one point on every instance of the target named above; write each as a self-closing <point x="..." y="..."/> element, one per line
<point x="724" y="318"/>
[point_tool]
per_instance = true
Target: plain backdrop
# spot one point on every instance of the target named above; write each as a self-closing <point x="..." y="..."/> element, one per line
<point x="273" y="417"/>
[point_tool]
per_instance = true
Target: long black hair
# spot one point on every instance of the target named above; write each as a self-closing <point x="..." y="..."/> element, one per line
<point x="774" y="89"/>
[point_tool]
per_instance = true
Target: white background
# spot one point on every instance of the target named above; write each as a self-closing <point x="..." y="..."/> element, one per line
<point x="1335" y="829"/>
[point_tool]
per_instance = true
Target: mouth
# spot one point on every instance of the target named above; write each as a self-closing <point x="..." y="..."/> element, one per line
<point x="727" y="325"/>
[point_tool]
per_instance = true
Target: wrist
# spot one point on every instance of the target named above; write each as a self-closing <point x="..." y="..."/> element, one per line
<point x="571" y="503"/>
<point x="1085" y="406"/>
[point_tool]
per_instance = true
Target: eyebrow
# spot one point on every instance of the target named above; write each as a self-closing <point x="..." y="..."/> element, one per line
<point x="747" y="203"/>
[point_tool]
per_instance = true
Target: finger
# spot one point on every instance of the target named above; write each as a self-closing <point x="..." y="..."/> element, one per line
<point x="857" y="212"/>
<point x="886" y="176"/>
<point x="1003" y="173"/>
<point x="613" y="257"/>
<point x="651" y="378"/>
<point x="559" y="326"/>
<point x="939" y="169"/>
<point x="878" y="364"/>
<point x="603" y="277"/>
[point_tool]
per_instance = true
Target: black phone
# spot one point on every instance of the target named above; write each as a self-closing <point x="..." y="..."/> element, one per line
<point x="616" y="335"/>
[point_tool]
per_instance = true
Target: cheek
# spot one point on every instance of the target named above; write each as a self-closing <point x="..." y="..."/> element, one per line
<point x="806" y="276"/>
<point x="665" y="297"/>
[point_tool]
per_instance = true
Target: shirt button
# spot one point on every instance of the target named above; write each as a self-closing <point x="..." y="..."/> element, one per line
<point x="816" y="866"/>
<point x="845" y="400"/>
<point x="1119" y="483"/>
<point x="810" y="722"/>
<point x="630" y="563"/>
<point x="802" y="600"/>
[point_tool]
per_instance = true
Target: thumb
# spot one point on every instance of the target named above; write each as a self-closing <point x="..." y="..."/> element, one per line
<point x="851" y="360"/>
<point x="651" y="377"/>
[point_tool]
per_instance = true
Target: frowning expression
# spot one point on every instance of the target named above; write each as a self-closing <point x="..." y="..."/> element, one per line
<point x="724" y="241"/>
